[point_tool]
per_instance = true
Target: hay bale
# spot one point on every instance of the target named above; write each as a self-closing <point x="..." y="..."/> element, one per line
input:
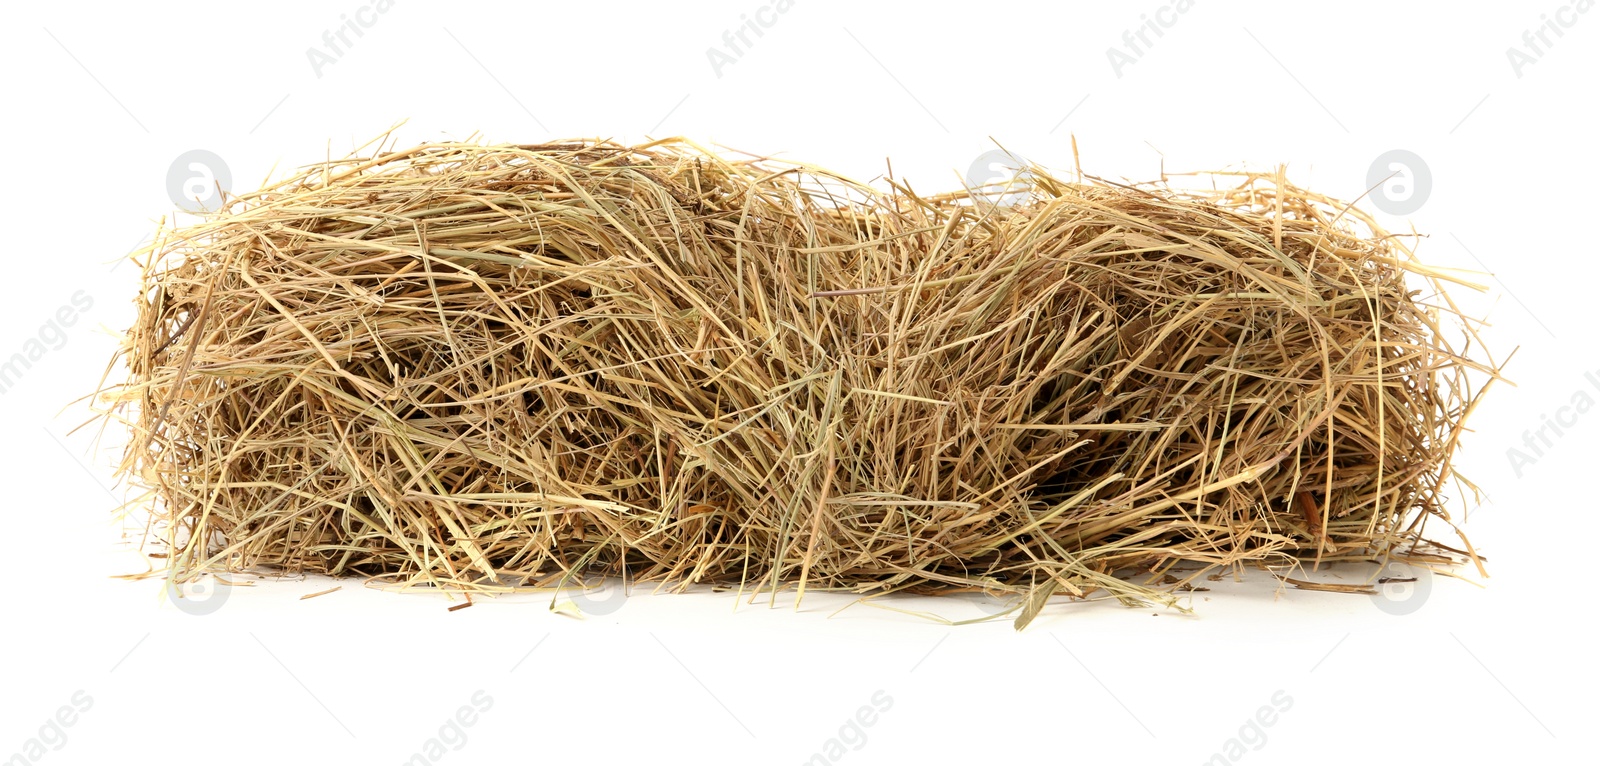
<point x="456" y="364"/>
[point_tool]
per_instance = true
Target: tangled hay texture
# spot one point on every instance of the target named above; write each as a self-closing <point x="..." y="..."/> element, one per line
<point x="464" y="365"/>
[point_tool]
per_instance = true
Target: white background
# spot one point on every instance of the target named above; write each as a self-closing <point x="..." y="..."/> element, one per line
<point x="101" y="100"/>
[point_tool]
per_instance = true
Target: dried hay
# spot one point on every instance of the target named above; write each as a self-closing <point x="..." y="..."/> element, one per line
<point x="462" y="365"/>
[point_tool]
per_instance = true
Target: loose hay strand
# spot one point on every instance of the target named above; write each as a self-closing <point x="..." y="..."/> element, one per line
<point x="458" y="364"/>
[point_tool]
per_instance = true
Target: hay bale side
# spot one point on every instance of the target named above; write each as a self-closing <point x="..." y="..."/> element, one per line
<point x="457" y="363"/>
